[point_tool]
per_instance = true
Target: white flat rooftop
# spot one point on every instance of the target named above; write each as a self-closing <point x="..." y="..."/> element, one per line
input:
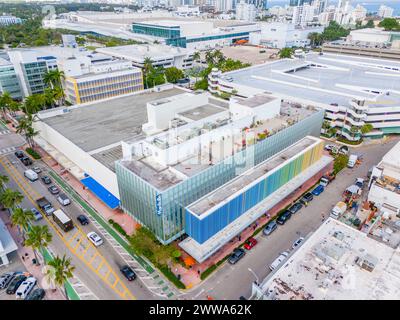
<point x="325" y="79"/>
<point x="7" y="243"/>
<point x="333" y="264"/>
<point x="201" y="252"/>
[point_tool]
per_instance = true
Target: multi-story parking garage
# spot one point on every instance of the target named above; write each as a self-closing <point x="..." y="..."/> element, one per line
<point x="353" y="91"/>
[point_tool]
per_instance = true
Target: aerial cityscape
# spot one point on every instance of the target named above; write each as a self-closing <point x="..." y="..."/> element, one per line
<point x="170" y="150"/>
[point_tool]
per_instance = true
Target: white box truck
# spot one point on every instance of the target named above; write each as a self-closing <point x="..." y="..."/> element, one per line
<point x="352" y="160"/>
<point x="338" y="210"/>
<point x="31" y="175"/>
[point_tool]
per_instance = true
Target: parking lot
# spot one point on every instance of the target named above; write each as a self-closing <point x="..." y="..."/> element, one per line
<point x="233" y="281"/>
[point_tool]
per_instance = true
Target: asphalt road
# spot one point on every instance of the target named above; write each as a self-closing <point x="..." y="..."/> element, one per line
<point x="231" y="282"/>
<point x="102" y="290"/>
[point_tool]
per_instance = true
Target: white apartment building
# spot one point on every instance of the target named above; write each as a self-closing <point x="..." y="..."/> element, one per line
<point x="224" y="5"/>
<point x="8" y="20"/>
<point x="245" y="11"/>
<point x="7" y="244"/>
<point x="187" y="11"/>
<point x="385" y="11"/>
<point x="303" y="14"/>
<point x="280" y="35"/>
<point x="359" y="13"/>
<point x="384" y="185"/>
<point x="160" y="55"/>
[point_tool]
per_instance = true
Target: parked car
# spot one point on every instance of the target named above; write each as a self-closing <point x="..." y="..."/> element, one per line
<point x="297" y="242"/>
<point x="250" y="243"/>
<point x="128" y="273"/>
<point x="269" y="228"/>
<point x="83" y="220"/>
<point x="295" y="207"/>
<point x="360" y="182"/>
<point x="53" y="189"/>
<point x="278" y="261"/>
<point x="284" y="217"/>
<point x="37" y="215"/>
<point x="63" y="199"/>
<point x="15" y="283"/>
<point x="5" y="279"/>
<point x="308" y="197"/>
<point x="25" y="288"/>
<point x="26" y="161"/>
<point x="318" y="190"/>
<point x="36" y="294"/>
<point x="329" y="147"/>
<point x="46" y="179"/>
<point x="37" y="169"/>
<point x="31" y="175"/>
<point x="19" y="154"/>
<point x="236" y="255"/>
<point x="344" y="150"/>
<point x="95" y="238"/>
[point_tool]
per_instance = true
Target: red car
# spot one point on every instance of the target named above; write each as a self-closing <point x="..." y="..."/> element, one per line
<point x="250" y="243"/>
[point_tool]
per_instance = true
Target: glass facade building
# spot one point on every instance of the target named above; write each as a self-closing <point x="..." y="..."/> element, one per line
<point x="9" y="81"/>
<point x="34" y="72"/>
<point x="167" y="32"/>
<point x="163" y="211"/>
<point x="202" y="228"/>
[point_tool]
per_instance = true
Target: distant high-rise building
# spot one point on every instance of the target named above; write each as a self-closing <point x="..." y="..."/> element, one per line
<point x="303" y="14"/>
<point x="245" y="11"/>
<point x="295" y="3"/>
<point x="259" y="4"/>
<point x="385" y="11"/>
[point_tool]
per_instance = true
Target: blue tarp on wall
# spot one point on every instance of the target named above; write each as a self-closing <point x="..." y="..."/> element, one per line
<point x="102" y="193"/>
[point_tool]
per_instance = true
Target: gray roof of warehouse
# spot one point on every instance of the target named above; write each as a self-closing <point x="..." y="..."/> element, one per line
<point x="104" y="123"/>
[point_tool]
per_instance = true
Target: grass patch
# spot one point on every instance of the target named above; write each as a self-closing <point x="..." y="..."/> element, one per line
<point x="353" y="143"/>
<point x="118" y="228"/>
<point x="208" y="271"/>
<point x="33" y="153"/>
<point x="171" y="276"/>
<point x="340" y="163"/>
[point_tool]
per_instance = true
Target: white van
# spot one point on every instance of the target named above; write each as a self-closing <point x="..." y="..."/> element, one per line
<point x="352" y="161"/>
<point x="277" y="262"/>
<point x="31" y="175"/>
<point x="63" y="199"/>
<point x="25" y="288"/>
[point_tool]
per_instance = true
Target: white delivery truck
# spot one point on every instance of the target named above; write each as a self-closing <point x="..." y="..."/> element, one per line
<point x="278" y="261"/>
<point x="31" y="175"/>
<point x="352" y="160"/>
<point x="338" y="210"/>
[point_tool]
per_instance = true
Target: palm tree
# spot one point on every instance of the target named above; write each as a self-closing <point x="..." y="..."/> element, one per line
<point x="59" y="95"/>
<point x="196" y="56"/>
<point x="5" y="102"/>
<point x="54" y="78"/>
<point x="11" y="198"/>
<point x="25" y="127"/>
<point x="34" y="103"/>
<point x="22" y="218"/>
<point x="38" y="238"/>
<point x="147" y="68"/>
<point x="49" y="97"/>
<point x="14" y="107"/>
<point x="3" y="180"/>
<point x="59" y="271"/>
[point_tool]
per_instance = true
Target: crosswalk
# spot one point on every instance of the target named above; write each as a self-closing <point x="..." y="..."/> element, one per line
<point x="7" y="150"/>
<point x="4" y="132"/>
<point x="154" y="283"/>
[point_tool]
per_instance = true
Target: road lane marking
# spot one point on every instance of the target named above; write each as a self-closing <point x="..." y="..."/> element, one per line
<point x="31" y="194"/>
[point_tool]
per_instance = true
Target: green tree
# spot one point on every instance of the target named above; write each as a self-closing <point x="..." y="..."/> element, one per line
<point x="22" y="218"/>
<point x="11" y="198"/>
<point x="3" y="180"/>
<point x="173" y="74"/>
<point x="54" y="78"/>
<point x="5" y="103"/>
<point x="285" y="53"/>
<point x="389" y="24"/>
<point x="196" y="56"/>
<point x="201" y="84"/>
<point x="34" y="103"/>
<point x="370" y="24"/>
<point x="334" y="31"/>
<point x="25" y="127"/>
<point x="38" y="237"/>
<point x="340" y="163"/>
<point x="59" y="270"/>
<point x="315" y="38"/>
<point x="366" y="128"/>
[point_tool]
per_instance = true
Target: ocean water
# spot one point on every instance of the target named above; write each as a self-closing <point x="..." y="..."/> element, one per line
<point x="371" y="6"/>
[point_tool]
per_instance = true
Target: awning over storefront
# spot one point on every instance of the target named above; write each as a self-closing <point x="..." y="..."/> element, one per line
<point x="102" y="193"/>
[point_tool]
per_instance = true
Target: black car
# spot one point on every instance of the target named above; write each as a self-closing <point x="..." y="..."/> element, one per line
<point x="296" y="207"/>
<point x="128" y="273"/>
<point x="83" y="220"/>
<point x="307" y="198"/>
<point x="26" y="161"/>
<point x="46" y="179"/>
<point x="19" y="154"/>
<point x="5" y="279"/>
<point x="37" y="294"/>
<point x="237" y="254"/>
<point x="284" y="217"/>
<point x="15" y="283"/>
<point x="53" y="189"/>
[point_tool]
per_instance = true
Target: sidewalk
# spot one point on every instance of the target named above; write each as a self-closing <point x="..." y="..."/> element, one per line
<point x="28" y="255"/>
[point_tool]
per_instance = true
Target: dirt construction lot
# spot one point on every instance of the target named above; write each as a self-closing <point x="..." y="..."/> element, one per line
<point x="249" y="54"/>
